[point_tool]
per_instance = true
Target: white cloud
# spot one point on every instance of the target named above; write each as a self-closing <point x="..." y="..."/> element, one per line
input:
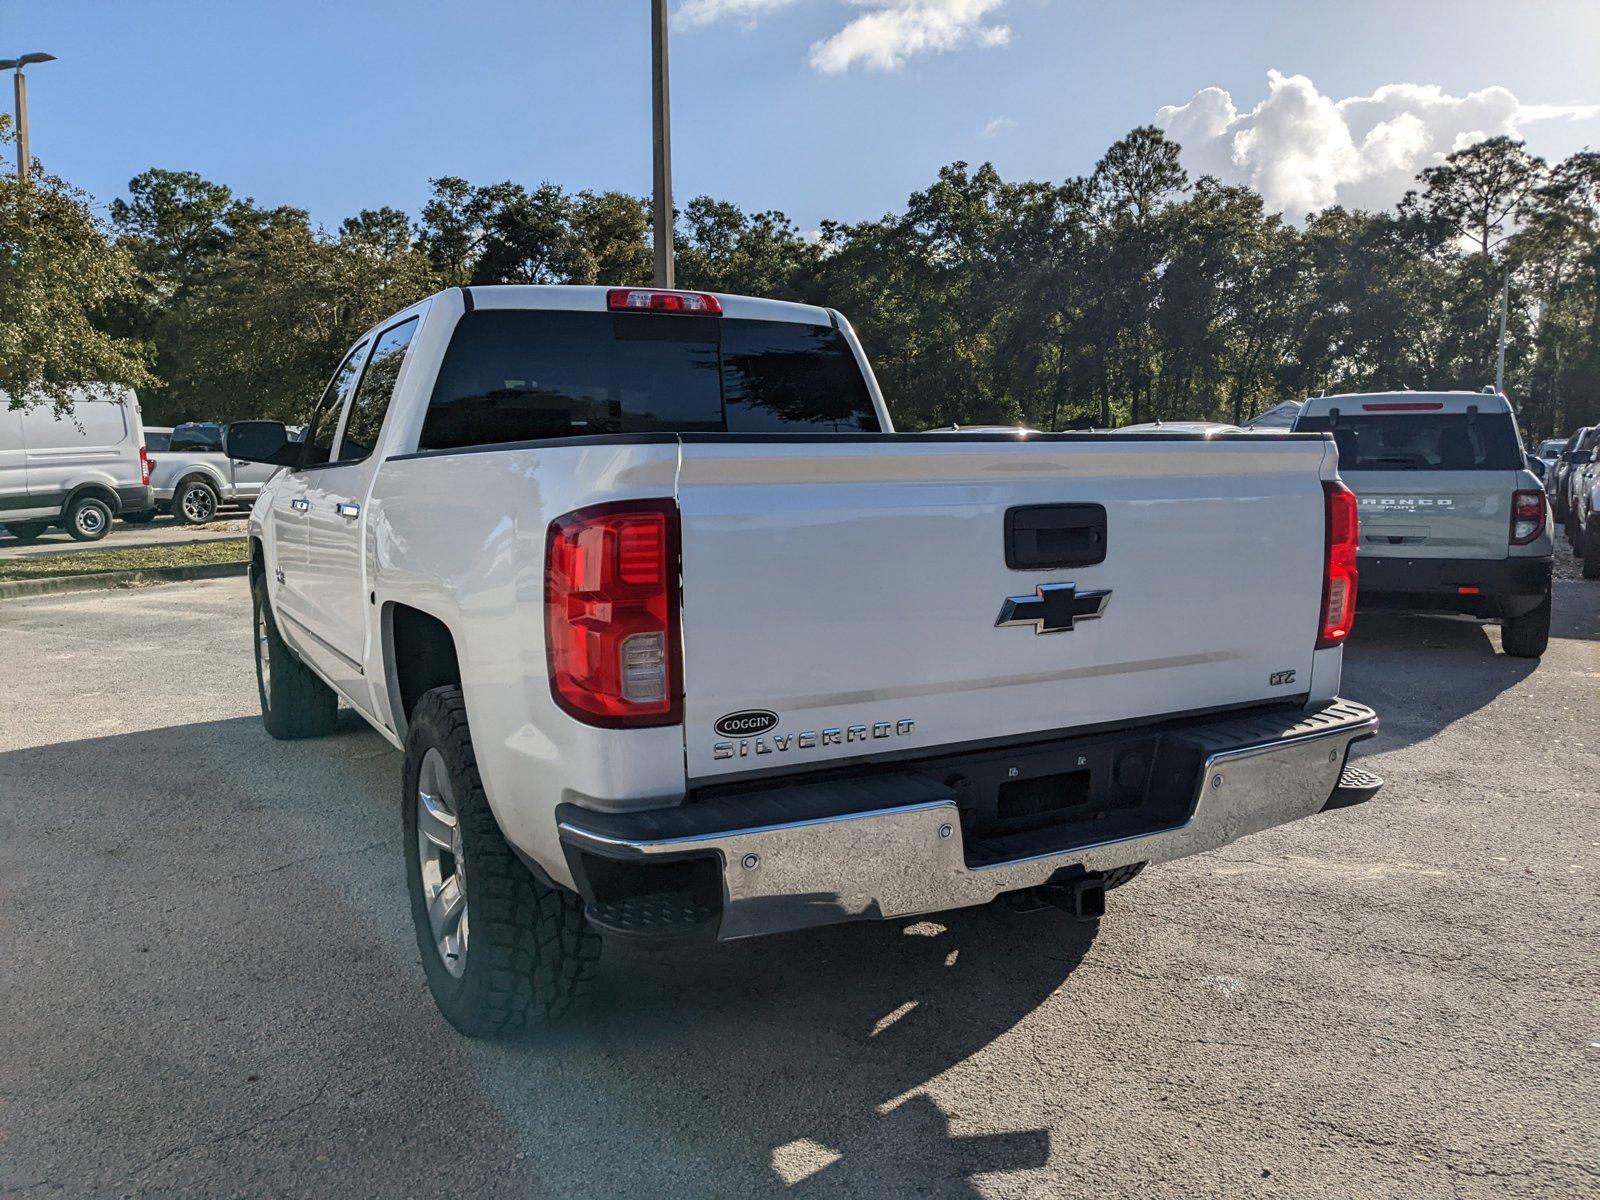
<point x="997" y="126"/>
<point x="895" y="30"/>
<point x="881" y="39"/>
<point x="1304" y="151"/>
<point x="703" y="12"/>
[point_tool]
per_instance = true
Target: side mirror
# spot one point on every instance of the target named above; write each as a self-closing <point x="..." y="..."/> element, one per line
<point x="264" y="442"/>
<point x="1536" y="465"/>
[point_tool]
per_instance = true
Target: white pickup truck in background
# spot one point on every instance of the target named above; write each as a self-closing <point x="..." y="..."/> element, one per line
<point x="680" y="640"/>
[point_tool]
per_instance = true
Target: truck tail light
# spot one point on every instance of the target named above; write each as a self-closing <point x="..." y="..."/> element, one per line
<point x="611" y="614"/>
<point x="1527" y="516"/>
<point x="656" y="300"/>
<point x="1343" y="527"/>
<point x="146" y="465"/>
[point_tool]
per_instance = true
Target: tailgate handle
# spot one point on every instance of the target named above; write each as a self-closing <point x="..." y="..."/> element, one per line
<point x="1055" y="535"/>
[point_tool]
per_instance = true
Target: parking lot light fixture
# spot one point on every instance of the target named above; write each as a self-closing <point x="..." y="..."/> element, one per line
<point x="24" y="160"/>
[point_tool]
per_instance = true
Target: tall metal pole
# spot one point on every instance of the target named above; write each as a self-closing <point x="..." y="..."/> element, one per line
<point x="662" y="200"/>
<point x="1500" y="360"/>
<point x="24" y="162"/>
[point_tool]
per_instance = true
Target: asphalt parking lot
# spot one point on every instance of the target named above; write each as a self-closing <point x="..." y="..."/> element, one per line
<point x="211" y="986"/>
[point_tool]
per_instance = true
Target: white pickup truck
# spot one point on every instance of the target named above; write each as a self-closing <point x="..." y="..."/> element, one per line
<point x="681" y="640"/>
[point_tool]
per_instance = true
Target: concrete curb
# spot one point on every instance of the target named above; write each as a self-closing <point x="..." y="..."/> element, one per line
<point x="52" y="584"/>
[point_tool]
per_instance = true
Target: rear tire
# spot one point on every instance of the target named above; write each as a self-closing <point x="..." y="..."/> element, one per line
<point x="294" y="702"/>
<point x="1591" y="549"/>
<point x="1528" y="635"/>
<point x="195" y="502"/>
<point x="503" y="951"/>
<point x="28" y="531"/>
<point x="88" y="519"/>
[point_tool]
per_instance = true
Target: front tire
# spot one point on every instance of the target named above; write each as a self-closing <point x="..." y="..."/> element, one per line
<point x="294" y="702"/>
<point x="195" y="503"/>
<point x="503" y="951"/>
<point x="1591" y="549"/>
<point x="1527" y="636"/>
<point x="88" y="519"/>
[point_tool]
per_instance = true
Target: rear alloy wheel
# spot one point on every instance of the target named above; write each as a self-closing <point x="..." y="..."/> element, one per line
<point x="503" y="950"/>
<point x="196" y="502"/>
<point x="27" y="531"/>
<point x="88" y="519"/>
<point x="1528" y="635"/>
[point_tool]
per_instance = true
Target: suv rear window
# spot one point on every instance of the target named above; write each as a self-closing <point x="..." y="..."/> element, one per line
<point x="514" y="375"/>
<point x="1421" y="441"/>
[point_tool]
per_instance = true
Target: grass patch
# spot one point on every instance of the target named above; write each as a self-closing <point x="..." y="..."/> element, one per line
<point x="140" y="558"/>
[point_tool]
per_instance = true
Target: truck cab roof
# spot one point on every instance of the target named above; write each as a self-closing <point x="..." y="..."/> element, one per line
<point x="584" y="298"/>
<point x="1401" y="402"/>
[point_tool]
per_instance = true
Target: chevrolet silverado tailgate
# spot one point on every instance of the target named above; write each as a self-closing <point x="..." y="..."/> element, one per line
<point x="863" y="596"/>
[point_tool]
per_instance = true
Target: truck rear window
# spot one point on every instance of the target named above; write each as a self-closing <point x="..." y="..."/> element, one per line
<point x="1421" y="441"/>
<point x="514" y="375"/>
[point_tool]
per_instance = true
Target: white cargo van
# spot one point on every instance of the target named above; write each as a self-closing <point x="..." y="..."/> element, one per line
<point x="77" y="470"/>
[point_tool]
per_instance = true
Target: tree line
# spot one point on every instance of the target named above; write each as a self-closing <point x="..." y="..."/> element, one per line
<point x="1133" y="293"/>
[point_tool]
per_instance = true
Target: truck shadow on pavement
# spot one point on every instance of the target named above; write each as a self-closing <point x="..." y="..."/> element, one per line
<point x="204" y="856"/>
<point x="1423" y="673"/>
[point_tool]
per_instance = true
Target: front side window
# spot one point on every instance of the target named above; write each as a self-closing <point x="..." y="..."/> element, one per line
<point x="371" y="401"/>
<point x="325" y="418"/>
<point x="1421" y="441"/>
<point x="514" y="375"/>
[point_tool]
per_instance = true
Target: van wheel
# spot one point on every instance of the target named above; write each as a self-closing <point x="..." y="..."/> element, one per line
<point x="1591" y="549"/>
<point x="1528" y="635"/>
<point x="27" y="531"/>
<point x="294" y="702"/>
<point x="195" y="503"/>
<point x="502" y="950"/>
<point x="88" y="519"/>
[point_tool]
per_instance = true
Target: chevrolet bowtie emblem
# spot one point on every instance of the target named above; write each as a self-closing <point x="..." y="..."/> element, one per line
<point x="1053" y="607"/>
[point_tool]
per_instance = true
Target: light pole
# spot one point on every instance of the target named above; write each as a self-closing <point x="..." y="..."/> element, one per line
<point x="24" y="161"/>
<point x="662" y="201"/>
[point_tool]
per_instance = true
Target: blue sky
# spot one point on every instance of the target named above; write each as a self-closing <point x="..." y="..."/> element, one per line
<point x="343" y="104"/>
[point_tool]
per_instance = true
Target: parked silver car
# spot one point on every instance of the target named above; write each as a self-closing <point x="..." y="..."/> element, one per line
<point x="194" y="476"/>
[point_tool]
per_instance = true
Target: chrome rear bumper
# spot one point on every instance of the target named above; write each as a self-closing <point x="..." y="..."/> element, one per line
<point x="909" y="858"/>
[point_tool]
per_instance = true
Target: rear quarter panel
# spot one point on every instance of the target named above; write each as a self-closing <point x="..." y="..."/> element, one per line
<point x="462" y="537"/>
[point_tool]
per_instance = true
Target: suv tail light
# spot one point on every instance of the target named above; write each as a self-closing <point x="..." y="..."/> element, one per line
<point x="656" y="300"/>
<point x="1527" y="516"/>
<point x="611" y="614"/>
<point x="146" y="465"/>
<point x="1343" y="527"/>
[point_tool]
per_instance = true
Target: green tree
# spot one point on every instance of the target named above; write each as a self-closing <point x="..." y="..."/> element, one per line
<point x="58" y="274"/>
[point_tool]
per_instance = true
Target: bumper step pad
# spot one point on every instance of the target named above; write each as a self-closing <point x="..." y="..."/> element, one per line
<point x="1357" y="785"/>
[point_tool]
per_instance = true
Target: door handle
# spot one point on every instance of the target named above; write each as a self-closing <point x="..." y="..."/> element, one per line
<point x="346" y="509"/>
<point x="300" y="505"/>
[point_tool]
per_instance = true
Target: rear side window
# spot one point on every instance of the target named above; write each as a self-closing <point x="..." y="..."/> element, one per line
<point x="371" y="402"/>
<point x="1421" y="441"/>
<point x="515" y="375"/>
<point x="196" y="439"/>
<point x="156" y="442"/>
